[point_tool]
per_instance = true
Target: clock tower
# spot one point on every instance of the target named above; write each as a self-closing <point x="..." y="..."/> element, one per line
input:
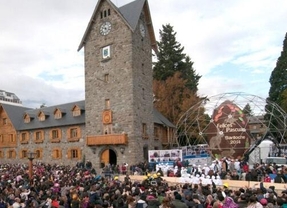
<point x="118" y="44"/>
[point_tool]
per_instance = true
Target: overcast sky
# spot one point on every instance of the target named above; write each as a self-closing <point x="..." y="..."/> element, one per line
<point x="234" y="44"/>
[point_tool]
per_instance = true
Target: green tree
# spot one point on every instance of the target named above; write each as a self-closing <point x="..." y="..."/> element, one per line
<point x="172" y="59"/>
<point x="247" y="110"/>
<point x="277" y="93"/>
<point x="278" y="78"/>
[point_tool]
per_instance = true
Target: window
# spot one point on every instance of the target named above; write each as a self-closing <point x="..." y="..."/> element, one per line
<point x="12" y="138"/>
<point x="144" y="131"/>
<point x="41" y="116"/>
<point x="106" y="77"/>
<point x="24" y="137"/>
<point x="58" y="114"/>
<point x="5" y="121"/>
<point x="27" y="119"/>
<point x="1" y="138"/>
<point x="24" y="154"/>
<point x="106" y="52"/>
<point x="76" y="111"/>
<point x="105" y="13"/>
<point x="1" y="154"/>
<point x="38" y="136"/>
<point x="11" y="154"/>
<point x="38" y="154"/>
<point x="57" y="153"/>
<point x="107" y="104"/>
<point x="74" y="153"/>
<point x="55" y="135"/>
<point x="74" y="134"/>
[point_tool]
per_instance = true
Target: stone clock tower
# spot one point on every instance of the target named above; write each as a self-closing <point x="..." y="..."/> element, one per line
<point x="118" y="44"/>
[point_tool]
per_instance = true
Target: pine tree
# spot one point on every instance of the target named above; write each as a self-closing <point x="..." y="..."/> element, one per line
<point x="172" y="59"/>
<point x="277" y="93"/>
<point x="278" y="78"/>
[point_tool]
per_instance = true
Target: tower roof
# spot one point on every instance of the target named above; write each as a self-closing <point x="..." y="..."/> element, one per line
<point x="130" y="13"/>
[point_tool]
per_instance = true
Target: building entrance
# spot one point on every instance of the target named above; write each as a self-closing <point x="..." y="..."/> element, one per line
<point x="108" y="157"/>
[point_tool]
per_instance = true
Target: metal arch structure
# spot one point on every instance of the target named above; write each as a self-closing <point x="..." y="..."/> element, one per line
<point x="192" y="125"/>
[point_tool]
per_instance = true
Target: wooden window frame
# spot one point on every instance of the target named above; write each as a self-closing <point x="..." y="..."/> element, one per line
<point x="41" y="116"/>
<point x="12" y="138"/>
<point x="74" y="153"/>
<point x="27" y="119"/>
<point x="76" y="111"/>
<point x="70" y="132"/>
<point x="57" y="153"/>
<point x="11" y="154"/>
<point x="26" y="139"/>
<point x="39" y="153"/>
<point x="37" y="134"/>
<point x="58" y="114"/>
<point x="59" y="135"/>
<point x="23" y="153"/>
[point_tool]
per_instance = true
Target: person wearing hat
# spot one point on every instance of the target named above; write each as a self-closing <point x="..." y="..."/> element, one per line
<point x="152" y="200"/>
<point x="225" y="186"/>
<point x="263" y="202"/>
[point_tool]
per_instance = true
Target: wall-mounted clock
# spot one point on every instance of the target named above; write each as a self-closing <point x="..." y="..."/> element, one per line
<point x="105" y="28"/>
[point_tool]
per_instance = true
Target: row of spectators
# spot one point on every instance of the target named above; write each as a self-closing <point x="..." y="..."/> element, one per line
<point x="55" y="186"/>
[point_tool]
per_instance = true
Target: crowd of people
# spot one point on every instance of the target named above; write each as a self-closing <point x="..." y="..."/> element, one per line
<point x="58" y="186"/>
<point x="226" y="168"/>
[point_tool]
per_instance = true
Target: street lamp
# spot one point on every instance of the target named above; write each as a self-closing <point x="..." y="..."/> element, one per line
<point x="31" y="157"/>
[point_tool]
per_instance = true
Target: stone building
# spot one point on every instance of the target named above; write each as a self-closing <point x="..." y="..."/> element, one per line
<point x="117" y="122"/>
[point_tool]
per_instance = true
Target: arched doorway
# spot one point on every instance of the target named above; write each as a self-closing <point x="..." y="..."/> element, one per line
<point x="109" y="157"/>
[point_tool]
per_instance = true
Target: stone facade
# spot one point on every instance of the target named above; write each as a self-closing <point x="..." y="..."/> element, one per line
<point x="129" y="89"/>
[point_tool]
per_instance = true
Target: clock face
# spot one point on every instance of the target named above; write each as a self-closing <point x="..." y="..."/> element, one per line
<point x="142" y="30"/>
<point x="105" y="28"/>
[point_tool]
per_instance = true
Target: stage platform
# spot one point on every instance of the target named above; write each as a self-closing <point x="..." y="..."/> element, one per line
<point x="233" y="184"/>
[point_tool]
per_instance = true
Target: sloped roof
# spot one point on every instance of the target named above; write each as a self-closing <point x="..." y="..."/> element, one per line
<point x="130" y="13"/>
<point x="15" y="113"/>
<point x="66" y="120"/>
<point x="160" y="119"/>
